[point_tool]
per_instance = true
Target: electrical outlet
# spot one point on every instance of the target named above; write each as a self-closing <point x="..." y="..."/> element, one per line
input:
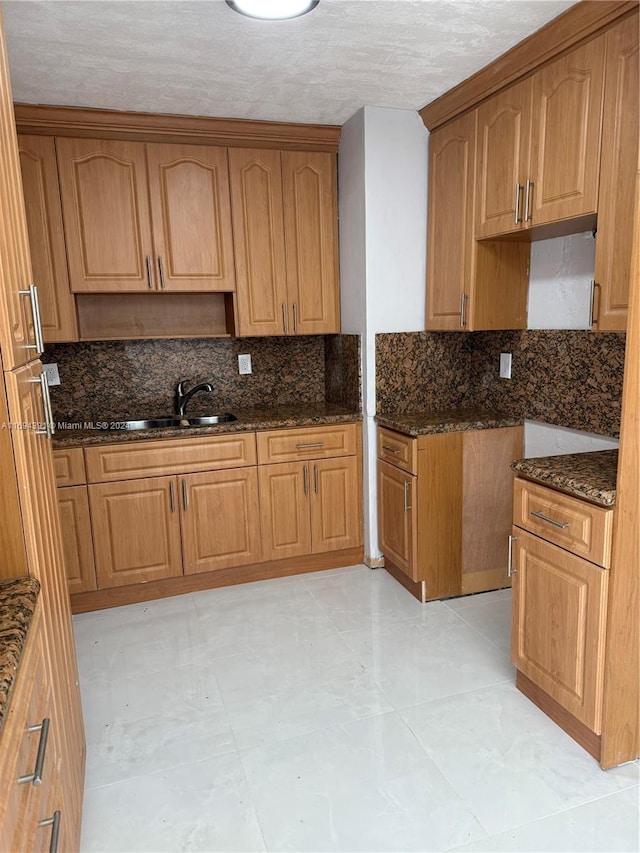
<point x="505" y="365"/>
<point x="244" y="365"/>
<point x="53" y="377"/>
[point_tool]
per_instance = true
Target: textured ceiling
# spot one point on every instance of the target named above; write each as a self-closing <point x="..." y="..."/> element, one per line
<point x="201" y="58"/>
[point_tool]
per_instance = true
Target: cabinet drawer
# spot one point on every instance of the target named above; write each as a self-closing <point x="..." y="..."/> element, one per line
<point x="68" y="465"/>
<point x="29" y="705"/>
<point x="290" y="445"/>
<point x="400" y="450"/>
<point x="129" y="461"/>
<point x="571" y="523"/>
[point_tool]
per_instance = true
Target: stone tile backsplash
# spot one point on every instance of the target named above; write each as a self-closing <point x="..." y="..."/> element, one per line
<point x="117" y="379"/>
<point x="566" y="378"/>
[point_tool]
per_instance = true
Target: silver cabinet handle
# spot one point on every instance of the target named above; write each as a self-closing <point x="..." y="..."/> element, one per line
<point x="32" y="293"/>
<point x="161" y="271"/>
<point x="463" y="309"/>
<point x="593" y="317"/>
<point x="172" y="496"/>
<point x="528" y="213"/>
<point x="185" y="495"/>
<point x="518" y="218"/>
<point x="510" y="570"/>
<point x="284" y="318"/>
<point x="295" y="318"/>
<point x="307" y="446"/>
<point x="305" y="480"/>
<point x="388" y="449"/>
<point x="561" y="524"/>
<point x="315" y="479"/>
<point x="47" y="411"/>
<point x="147" y="261"/>
<point x="407" y="505"/>
<point x="35" y="778"/>
<point x="53" y="822"/>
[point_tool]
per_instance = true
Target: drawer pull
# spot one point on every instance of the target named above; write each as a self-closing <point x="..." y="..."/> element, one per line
<point x="407" y="505"/>
<point x="36" y="777"/>
<point x="53" y="822"/>
<point x="561" y="524"/>
<point x="510" y="570"/>
<point x="388" y="449"/>
<point x="307" y="446"/>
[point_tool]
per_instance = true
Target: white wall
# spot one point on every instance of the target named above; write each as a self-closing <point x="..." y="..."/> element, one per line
<point x="383" y="160"/>
<point x="547" y="440"/>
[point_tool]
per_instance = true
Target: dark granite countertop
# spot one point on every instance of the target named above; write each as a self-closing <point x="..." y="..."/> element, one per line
<point x="248" y="420"/>
<point x="591" y="475"/>
<point x="449" y="420"/>
<point x="17" y="604"/>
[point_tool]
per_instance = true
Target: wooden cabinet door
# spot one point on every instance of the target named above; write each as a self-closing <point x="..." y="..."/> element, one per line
<point x="397" y="518"/>
<point x="487" y="505"/>
<point x="450" y="243"/>
<point x="502" y="152"/>
<point x="220" y="520"/>
<point x="558" y="625"/>
<point x="46" y="237"/>
<point x="618" y="166"/>
<point x="258" y="239"/>
<point x="43" y="543"/>
<point x="77" y="539"/>
<point x="103" y="184"/>
<point x="565" y="139"/>
<point x="310" y="225"/>
<point x="17" y="330"/>
<point x="136" y="531"/>
<point x="191" y="215"/>
<point x="284" y="510"/>
<point x="335" y="504"/>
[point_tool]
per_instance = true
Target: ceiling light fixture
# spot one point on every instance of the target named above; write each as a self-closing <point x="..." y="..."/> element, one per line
<point x="273" y="10"/>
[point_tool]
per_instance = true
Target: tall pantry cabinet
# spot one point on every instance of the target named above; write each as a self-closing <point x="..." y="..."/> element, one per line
<point x="30" y="530"/>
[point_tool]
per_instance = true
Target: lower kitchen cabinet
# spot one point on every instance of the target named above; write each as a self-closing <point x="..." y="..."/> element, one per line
<point x="136" y="531"/>
<point x="558" y="625"/>
<point x="284" y="510"/>
<point x="75" y="521"/>
<point x="220" y="520"/>
<point x="444" y="508"/>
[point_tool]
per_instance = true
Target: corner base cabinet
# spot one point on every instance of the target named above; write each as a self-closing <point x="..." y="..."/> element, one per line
<point x="444" y="508"/>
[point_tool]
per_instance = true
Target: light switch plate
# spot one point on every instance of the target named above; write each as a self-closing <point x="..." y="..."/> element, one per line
<point x="505" y="365"/>
<point x="244" y="365"/>
<point x="53" y="377"/>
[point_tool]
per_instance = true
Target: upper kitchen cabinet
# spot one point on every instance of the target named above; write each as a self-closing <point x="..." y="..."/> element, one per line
<point x="619" y="162"/>
<point x="284" y="228"/>
<point x="538" y="146"/>
<point x="46" y="237"/>
<point x="471" y="284"/>
<point x="129" y="229"/>
<point x="191" y="216"/>
<point x="20" y="337"/>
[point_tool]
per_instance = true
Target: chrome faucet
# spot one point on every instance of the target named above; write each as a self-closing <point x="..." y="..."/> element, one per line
<point x="183" y="397"/>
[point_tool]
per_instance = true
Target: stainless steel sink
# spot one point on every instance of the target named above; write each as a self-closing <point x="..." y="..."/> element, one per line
<point x="159" y="423"/>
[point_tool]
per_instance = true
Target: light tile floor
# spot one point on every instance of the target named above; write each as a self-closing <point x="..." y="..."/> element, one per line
<point x="329" y="711"/>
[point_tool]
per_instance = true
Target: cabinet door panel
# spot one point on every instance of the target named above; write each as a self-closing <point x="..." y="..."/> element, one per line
<point x="397" y="518"/>
<point x="103" y="185"/>
<point x="558" y="625"/>
<point x="258" y="238"/>
<point x="310" y="218"/>
<point x="77" y="541"/>
<point x="450" y="244"/>
<point x="335" y="505"/>
<point x="136" y="531"/>
<point x="618" y="166"/>
<point x="284" y="510"/>
<point x="46" y="237"/>
<point x="191" y="212"/>
<point x="17" y="337"/>
<point x="565" y="141"/>
<point x="220" y="520"/>
<point x="504" y="129"/>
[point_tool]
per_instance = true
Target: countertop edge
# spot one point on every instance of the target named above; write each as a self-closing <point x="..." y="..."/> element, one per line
<point x="18" y="601"/>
